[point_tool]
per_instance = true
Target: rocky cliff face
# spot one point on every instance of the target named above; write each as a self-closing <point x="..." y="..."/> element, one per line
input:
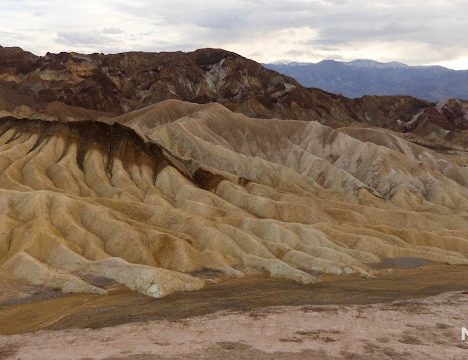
<point x="122" y="82"/>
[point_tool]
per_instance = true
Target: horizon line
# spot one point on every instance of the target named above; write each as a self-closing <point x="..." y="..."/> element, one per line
<point x="273" y="62"/>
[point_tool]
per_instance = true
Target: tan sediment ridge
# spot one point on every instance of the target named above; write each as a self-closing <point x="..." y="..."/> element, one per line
<point x="199" y="187"/>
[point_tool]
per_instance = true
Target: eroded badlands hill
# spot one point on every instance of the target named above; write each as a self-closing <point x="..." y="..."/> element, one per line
<point x="197" y="186"/>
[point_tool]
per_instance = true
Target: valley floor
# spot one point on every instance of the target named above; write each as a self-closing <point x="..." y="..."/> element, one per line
<point x="413" y="329"/>
<point x="405" y="313"/>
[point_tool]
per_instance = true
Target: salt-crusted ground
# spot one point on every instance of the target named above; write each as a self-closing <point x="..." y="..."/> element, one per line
<point x="428" y="328"/>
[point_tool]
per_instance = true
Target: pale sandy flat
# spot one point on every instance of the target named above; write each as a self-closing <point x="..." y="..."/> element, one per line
<point x="413" y="329"/>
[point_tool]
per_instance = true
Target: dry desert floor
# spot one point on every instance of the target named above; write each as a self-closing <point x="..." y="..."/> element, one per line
<point x="407" y="312"/>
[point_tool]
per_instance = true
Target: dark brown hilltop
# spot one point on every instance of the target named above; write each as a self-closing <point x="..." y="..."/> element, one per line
<point x="71" y="86"/>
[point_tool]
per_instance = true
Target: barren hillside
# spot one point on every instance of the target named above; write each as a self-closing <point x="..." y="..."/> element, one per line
<point x="195" y="187"/>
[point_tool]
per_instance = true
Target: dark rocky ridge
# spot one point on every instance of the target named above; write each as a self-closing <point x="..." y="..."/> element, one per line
<point x="75" y="86"/>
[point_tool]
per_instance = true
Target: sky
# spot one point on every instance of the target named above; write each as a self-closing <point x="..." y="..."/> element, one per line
<point x="416" y="32"/>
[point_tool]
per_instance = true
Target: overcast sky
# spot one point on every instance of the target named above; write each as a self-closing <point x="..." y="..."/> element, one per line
<point x="411" y="31"/>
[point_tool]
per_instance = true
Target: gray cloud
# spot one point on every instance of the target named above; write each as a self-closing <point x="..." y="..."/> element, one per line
<point x="15" y="36"/>
<point x="439" y="25"/>
<point x="91" y="38"/>
<point x="112" y="30"/>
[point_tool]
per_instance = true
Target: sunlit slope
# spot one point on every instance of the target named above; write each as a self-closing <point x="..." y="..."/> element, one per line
<point x="202" y="187"/>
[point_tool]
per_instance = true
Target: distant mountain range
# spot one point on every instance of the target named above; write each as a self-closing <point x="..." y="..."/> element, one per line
<point x="72" y="86"/>
<point x="366" y="77"/>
